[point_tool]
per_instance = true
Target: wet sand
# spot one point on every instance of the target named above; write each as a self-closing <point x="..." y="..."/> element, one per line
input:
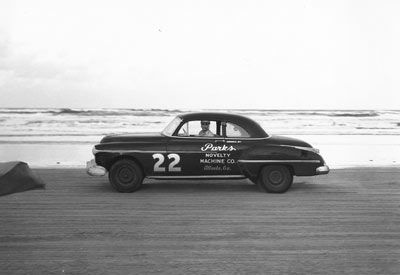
<point x="347" y="222"/>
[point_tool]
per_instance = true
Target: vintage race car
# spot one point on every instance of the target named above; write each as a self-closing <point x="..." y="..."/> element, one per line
<point x="206" y="145"/>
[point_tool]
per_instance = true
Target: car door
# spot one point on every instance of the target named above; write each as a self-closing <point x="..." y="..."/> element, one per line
<point x="237" y="142"/>
<point x="194" y="155"/>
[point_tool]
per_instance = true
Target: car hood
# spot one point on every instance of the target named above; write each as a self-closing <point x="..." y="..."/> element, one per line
<point x="282" y="140"/>
<point x="134" y="137"/>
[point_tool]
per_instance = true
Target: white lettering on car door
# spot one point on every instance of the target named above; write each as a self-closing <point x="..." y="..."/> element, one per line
<point x="157" y="165"/>
<point x="171" y="167"/>
<point x="176" y="158"/>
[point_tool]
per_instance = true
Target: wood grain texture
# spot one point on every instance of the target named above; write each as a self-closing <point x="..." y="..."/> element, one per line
<point x="347" y="222"/>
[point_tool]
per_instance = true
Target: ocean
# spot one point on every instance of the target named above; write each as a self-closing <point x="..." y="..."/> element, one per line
<point x="64" y="136"/>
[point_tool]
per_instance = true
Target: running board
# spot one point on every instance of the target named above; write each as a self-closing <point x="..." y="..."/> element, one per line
<point x="198" y="177"/>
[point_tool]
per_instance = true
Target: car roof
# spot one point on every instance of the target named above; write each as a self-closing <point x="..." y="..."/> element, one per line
<point x="254" y="129"/>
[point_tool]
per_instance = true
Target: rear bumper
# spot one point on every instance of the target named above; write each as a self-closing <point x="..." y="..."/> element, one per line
<point x="95" y="170"/>
<point x="321" y="170"/>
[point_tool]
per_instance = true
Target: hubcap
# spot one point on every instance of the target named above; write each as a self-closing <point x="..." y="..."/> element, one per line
<point x="126" y="175"/>
<point x="275" y="177"/>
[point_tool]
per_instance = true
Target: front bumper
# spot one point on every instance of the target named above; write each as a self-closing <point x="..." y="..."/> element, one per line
<point x="95" y="170"/>
<point x="322" y="170"/>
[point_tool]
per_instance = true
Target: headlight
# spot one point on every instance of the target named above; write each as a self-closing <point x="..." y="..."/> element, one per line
<point x="94" y="150"/>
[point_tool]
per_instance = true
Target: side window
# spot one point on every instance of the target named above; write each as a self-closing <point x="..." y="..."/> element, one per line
<point x="184" y="130"/>
<point x="196" y="128"/>
<point x="233" y="130"/>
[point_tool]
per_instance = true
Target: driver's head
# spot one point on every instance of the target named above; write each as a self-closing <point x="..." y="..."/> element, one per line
<point x="205" y="125"/>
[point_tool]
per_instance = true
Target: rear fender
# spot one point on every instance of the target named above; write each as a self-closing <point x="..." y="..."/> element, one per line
<point x="300" y="162"/>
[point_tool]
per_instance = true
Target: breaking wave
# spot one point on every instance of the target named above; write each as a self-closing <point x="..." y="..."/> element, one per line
<point x="117" y="112"/>
<point x="333" y="113"/>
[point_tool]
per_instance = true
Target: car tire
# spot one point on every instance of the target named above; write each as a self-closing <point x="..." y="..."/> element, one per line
<point x="126" y="176"/>
<point x="275" y="179"/>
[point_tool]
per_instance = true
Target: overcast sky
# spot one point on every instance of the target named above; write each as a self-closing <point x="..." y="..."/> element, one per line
<point x="200" y="54"/>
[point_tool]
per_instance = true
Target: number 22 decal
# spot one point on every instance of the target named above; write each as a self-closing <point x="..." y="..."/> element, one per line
<point x="171" y="167"/>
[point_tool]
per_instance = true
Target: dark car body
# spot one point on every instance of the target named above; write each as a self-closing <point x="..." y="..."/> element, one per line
<point x="173" y="155"/>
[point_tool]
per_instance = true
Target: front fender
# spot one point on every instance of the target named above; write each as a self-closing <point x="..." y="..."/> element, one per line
<point x="106" y="154"/>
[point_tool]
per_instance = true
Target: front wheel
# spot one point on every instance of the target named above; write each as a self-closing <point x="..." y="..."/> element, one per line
<point x="275" y="179"/>
<point x="125" y="176"/>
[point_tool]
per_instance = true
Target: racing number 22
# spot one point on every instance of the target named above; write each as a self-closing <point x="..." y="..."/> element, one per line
<point x="171" y="167"/>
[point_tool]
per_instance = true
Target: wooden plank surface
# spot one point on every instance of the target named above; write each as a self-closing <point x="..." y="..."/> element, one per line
<point x="347" y="222"/>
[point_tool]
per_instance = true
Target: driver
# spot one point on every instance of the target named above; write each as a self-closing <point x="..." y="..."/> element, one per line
<point x="205" y="129"/>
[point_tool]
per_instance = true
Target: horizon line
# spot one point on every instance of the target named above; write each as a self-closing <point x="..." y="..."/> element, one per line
<point x="184" y="109"/>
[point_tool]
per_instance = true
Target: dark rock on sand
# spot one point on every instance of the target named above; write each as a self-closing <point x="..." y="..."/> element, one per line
<point x="17" y="177"/>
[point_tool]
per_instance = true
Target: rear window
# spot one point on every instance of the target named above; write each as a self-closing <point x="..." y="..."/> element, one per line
<point x="234" y="130"/>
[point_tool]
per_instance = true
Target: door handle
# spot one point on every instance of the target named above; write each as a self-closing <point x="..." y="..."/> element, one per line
<point x="233" y="141"/>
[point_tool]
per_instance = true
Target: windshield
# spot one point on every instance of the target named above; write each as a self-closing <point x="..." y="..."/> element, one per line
<point x="170" y="129"/>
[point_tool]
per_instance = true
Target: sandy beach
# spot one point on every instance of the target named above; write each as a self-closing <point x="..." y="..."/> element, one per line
<point x="346" y="222"/>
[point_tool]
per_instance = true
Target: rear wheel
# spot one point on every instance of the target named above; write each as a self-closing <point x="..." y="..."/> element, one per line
<point x="275" y="179"/>
<point x="125" y="176"/>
